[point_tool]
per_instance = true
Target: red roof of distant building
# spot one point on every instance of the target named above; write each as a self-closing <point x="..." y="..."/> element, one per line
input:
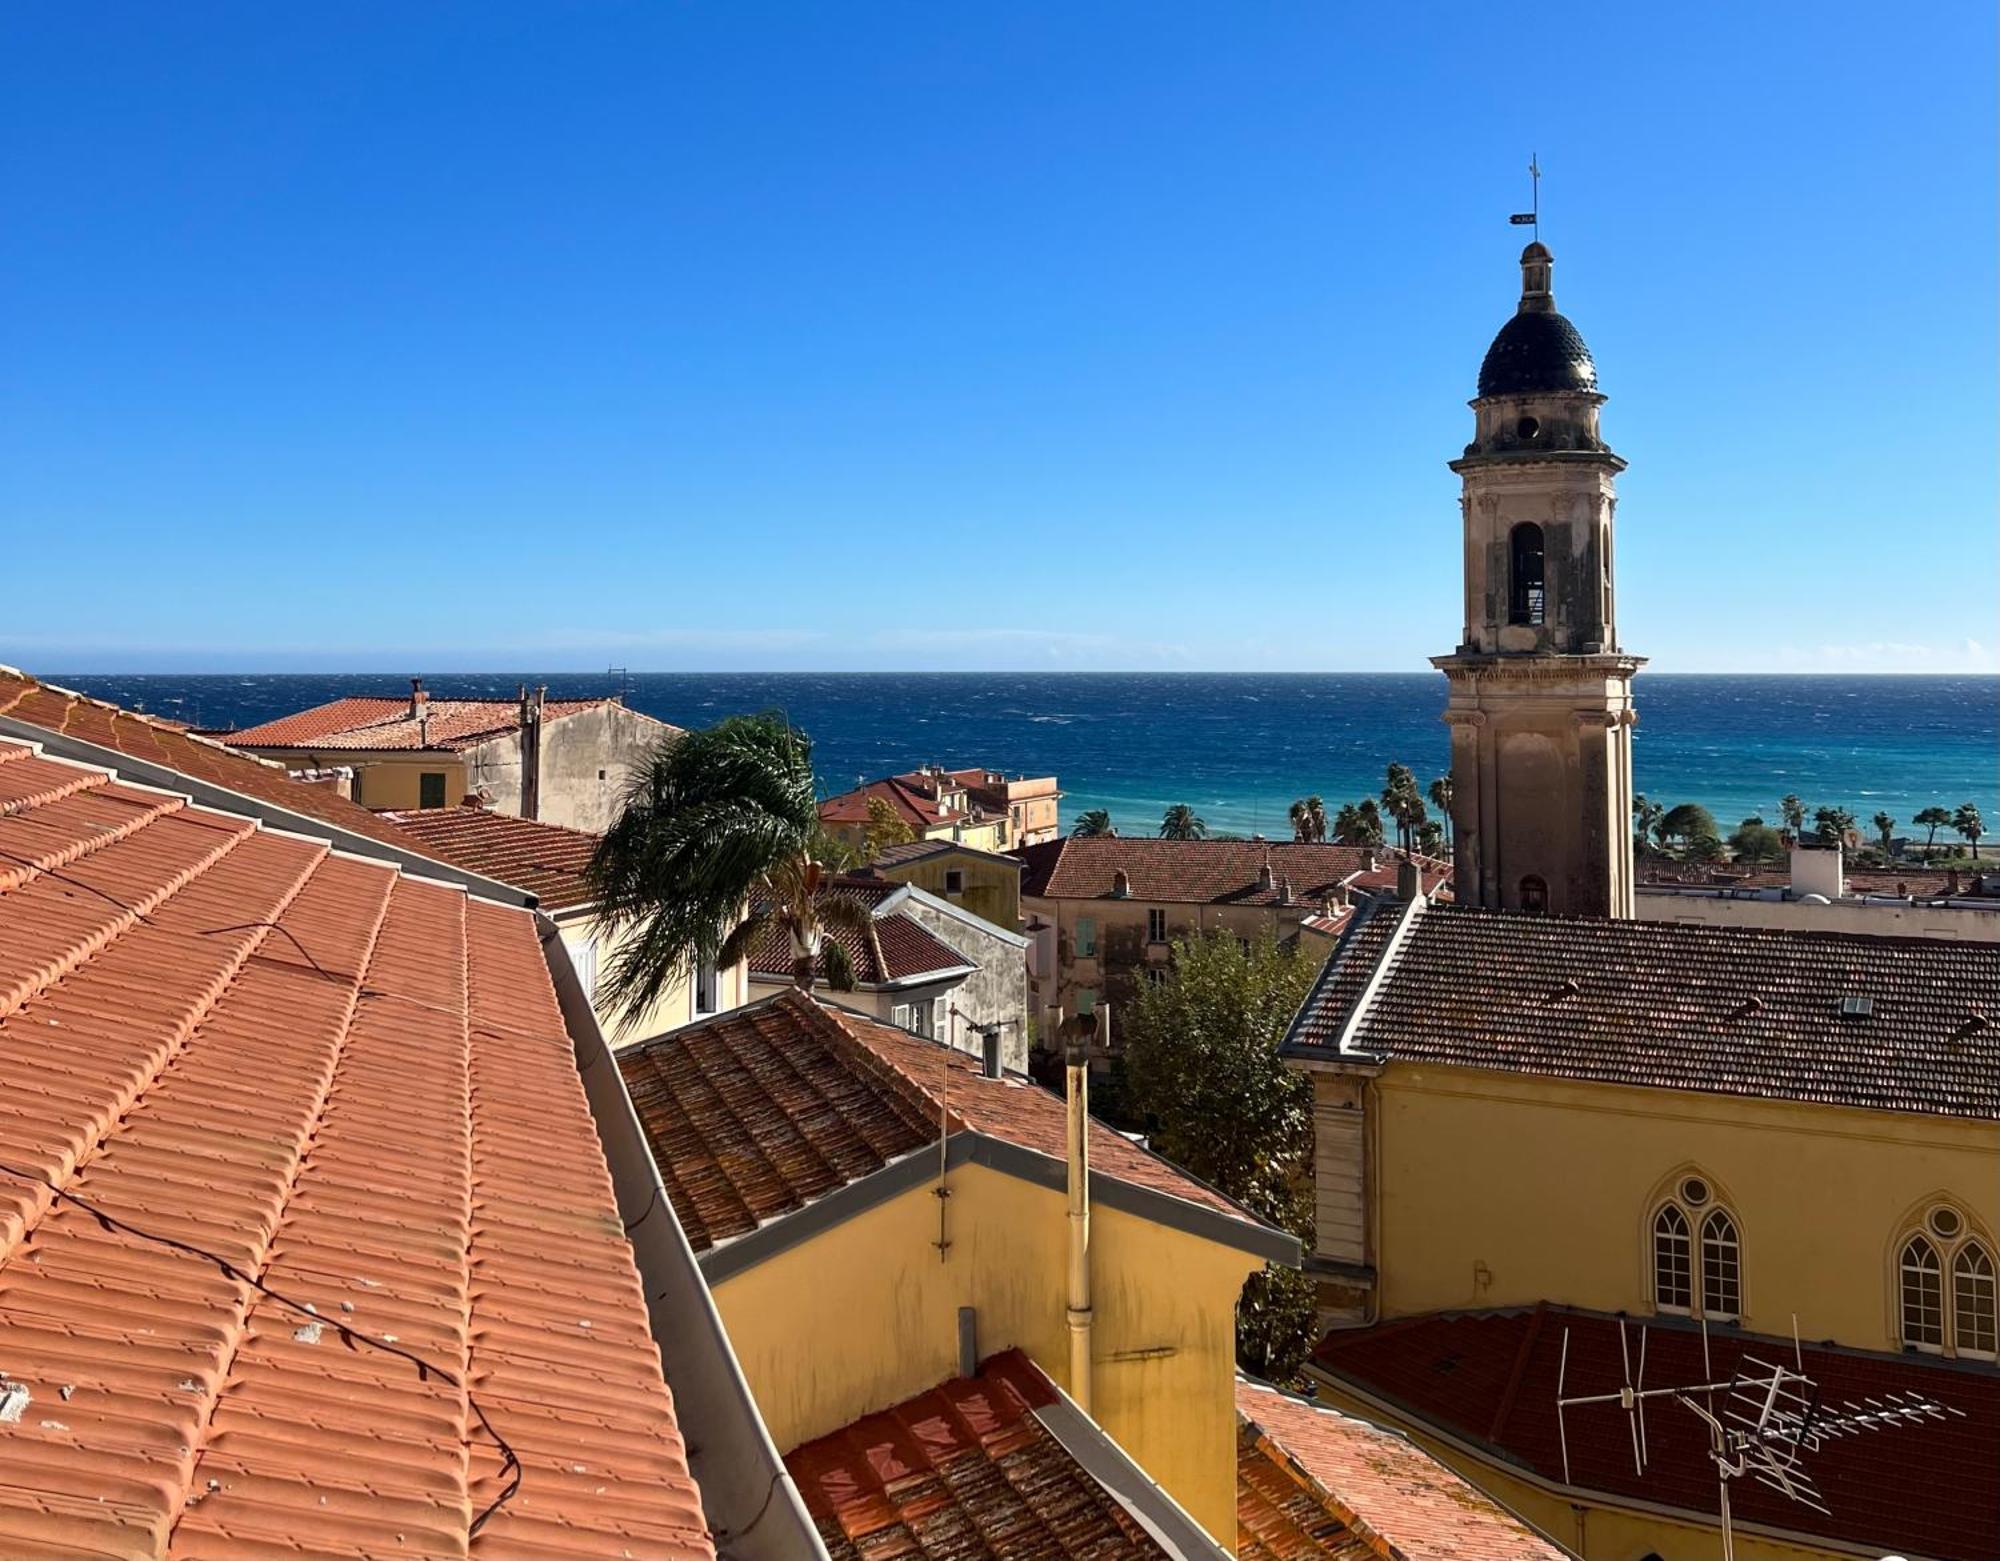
<point x="909" y="951"/>
<point x="918" y="809"/>
<point x="1205" y="872"/>
<point x="1489" y="1379"/>
<point x="966" y="1470"/>
<point x="364" y="723"/>
<point x="1313" y="1484"/>
<point x="353" y="1084"/>
<point x="545" y="859"/>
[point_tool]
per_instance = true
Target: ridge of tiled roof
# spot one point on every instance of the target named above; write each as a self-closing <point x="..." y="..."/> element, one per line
<point x="1488" y="1380"/>
<point x="921" y="850"/>
<point x="1313" y="1484"/>
<point x="910" y="805"/>
<point x="1201" y="872"/>
<point x="759" y="1112"/>
<point x="547" y="860"/>
<point x="1672" y="1005"/>
<point x="378" y="724"/>
<point x="971" y="1470"/>
<point x="170" y="745"/>
<point x="357" y="1086"/>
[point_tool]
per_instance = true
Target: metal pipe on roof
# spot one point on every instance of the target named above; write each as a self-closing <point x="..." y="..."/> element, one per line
<point x="1077" y="1070"/>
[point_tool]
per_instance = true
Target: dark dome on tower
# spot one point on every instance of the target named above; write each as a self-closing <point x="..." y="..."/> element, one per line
<point x="1538" y="351"/>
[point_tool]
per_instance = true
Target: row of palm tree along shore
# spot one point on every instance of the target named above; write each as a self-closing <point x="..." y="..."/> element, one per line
<point x="1354" y="824"/>
<point x="1689" y="833"/>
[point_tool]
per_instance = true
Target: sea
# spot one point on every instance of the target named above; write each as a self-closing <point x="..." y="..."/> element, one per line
<point x="1239" y="748"/>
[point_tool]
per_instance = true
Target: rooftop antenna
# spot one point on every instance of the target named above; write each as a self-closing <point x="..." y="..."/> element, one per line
<point x="1532" y="218"/>
<point x="1770" y="1418"/>
<point x="624" y="676"/>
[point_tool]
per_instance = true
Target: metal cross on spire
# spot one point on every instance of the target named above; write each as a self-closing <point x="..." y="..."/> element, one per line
<point x="1533" y="216"/>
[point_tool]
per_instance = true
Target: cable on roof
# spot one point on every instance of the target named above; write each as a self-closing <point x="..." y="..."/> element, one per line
<point x="349" y="1335"/>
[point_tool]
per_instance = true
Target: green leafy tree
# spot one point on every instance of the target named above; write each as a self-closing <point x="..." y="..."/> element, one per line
<point x="1646" y="819"/>
<point x="1440" y="794"/>
<point x="713" y="845"/>
<point x="1885" y="826"/>
<point x="1430" y="837"/>
<point x="1404" y="803"/>
<point x="1832" y="826"/>
<point x="1358" y="823"/>
<point x="1202" y="1069"/>
<point x="1793" y="812"/>
<point x="1092" y="821"/>
<point x="1932" y="819"/>
<point x="885" y="828"/>
<point x="1756" y="842"/>
<point x="1308" y="819"/>
<point x="1688" y="824"/>
<point x="1970" y="825"/>
<point x="1179" y="823"/>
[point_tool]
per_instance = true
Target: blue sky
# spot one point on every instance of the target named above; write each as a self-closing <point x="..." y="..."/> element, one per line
<point x="360" y="336"/>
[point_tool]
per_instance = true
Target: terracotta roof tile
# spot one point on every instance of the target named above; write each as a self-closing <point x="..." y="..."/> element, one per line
<point x="168" y="744"/>
<point x="1730" y="1010"/>
<point x="966" y="1471"/>
<point x="1201" y="872"/>
<point x="1489" y="1378"/>
<point x="1313" y="1484"/>
<point x="918" y="809"/>
<point x="357" y="1086"/>
<point x="758" y="1112"/>
<point x="909" y="950"/>
<point x="545" y="859"/>
<point x="364" y="723"/>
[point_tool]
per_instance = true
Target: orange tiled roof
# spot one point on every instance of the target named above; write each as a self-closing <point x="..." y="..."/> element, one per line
<point x="1316" y="1485"/>
<point x="364" y="723"/>
<point x="355" y="1086"/>
<point x="968" y="1471"/>
<point x="171" y="745"/>
<point x="918" y="809"/>
<point x="758" y="1112"/>
<point x="1202" y="872"/>
<point x="545" y="859"/>
<point x="909" y="950"/>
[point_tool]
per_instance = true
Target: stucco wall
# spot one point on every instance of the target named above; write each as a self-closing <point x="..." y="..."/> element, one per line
<point x="587" y="760"/>
<point x="995" y="993"/>
<point x="592" y="950"/>
<point x="882" y="1325"/>
<point x="992" y="889"/>
<point x="1492" y="1189"/>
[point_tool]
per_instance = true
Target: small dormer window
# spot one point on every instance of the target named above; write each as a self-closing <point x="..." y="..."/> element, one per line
<point x="1526" y="601"/>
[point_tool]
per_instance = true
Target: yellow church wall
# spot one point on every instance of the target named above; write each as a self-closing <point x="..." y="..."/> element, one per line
<point x="865" y="1315"/>
<point x="1593" y="1529"/>
<point x="1500" y="1190"/>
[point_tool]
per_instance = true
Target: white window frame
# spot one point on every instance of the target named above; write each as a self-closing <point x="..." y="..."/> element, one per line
<point x="899" y="1016"/>
<point x="1964" y="1301"/>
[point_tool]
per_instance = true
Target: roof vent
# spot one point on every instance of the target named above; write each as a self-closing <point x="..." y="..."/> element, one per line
<point x="1121" y="885"/>
<point x="1285" y="891"/>
<point x="1753" y="1004"/>
<point x="1973" y="1026"/>
<point x="1856" y="1007"/>
<point x="1566" y="988"/>
<point x="1264" y="876"/>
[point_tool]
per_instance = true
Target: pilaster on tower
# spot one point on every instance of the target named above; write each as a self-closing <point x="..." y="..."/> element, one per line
<point x="1540" y="702"/>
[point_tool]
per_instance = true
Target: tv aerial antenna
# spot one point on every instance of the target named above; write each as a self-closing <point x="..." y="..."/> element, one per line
<point x="1763" y="1420"/>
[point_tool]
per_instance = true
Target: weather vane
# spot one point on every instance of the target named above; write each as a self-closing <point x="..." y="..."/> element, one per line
<point x="1533" y="217"/>
<point x="1770" y="1417"/>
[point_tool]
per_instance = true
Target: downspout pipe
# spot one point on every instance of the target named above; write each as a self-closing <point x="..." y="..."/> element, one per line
<point x="1077" y="1101"/>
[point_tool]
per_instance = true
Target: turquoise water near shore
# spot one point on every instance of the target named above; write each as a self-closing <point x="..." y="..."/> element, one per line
<point x="1241" y="747"/>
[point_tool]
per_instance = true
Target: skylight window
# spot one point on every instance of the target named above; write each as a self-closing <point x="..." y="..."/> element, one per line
<point x="1856" y="1007"/>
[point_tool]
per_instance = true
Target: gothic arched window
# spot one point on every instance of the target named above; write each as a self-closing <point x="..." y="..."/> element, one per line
<point x="1526" y="599"/>
<point x="1972" y="1314"/>
<point x="1673" y="1263"/>
<point x="1534" y="895"/>
<point x="1923" y="1295"/>
<point x="1721" y="1269"/>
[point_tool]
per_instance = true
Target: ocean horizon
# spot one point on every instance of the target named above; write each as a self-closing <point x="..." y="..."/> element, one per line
<point x="1239" y="747"/>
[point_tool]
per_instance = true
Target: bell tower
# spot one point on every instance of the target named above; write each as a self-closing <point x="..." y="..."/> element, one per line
<point x="1540" y="703"/>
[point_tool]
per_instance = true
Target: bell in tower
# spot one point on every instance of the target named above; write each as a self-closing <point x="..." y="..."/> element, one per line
<point x="1540" y="692"/>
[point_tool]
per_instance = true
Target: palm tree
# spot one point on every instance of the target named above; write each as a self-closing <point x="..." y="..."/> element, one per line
<point x="1967" y="822"/>
<point x="1093" y="821"/>
<point x="1885" y="826"/>
<point x="1309" y="820"/>
<point x="1793" y="812"/>
<point x="1833" y="826"/>
<point x="1358" y="823"/>
<point x="714" y="844"/>
<point x="1440" y="795"/>
<point x="1404" y="803"/>
<point x="1932" y="819"/>
<point x="1647" y="817"/>
<point x="1179" y="823"/>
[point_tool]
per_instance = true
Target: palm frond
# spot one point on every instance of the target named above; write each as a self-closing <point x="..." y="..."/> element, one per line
<point x="839" y="968"/>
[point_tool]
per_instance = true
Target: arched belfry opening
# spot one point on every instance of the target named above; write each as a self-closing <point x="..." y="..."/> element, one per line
<point x="1541" y="691"/>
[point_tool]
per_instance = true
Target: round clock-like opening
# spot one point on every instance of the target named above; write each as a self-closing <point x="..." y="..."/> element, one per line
<point x="1528" y="427"/>
<point x="1695" y="1191"/>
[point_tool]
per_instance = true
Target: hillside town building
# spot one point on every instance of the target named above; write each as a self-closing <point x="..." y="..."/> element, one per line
<point x="982" y="808"/>
<point x="985" y="882"/>
<point x="564" y="762"/>
<point x="1819" y="891"/>
<point x="1541" y="708"/>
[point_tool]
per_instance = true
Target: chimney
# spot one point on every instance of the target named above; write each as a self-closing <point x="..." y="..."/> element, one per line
<point x="1368" y="861"/>
<point x="1285" y="890"/>
<point x="1121" y="885"/>
<point x="989" y="1051"/>
<point x="419" y="699"/>
<point x="1077" y="1114"/>
<point x="1264" y="876"/>
<point x="531" y="750"/>
<point x="1409" y="880"/>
